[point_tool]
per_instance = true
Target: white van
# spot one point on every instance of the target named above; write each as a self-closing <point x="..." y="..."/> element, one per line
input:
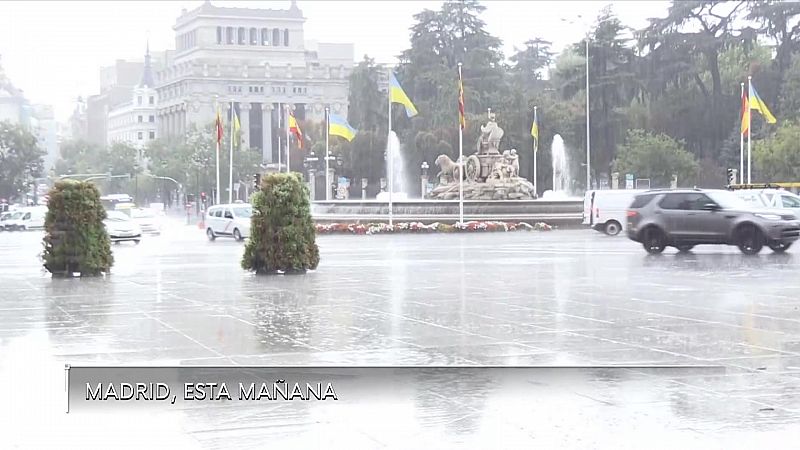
<point x="31" y="219"/>
<point x="229" y="220"/>
<point x="606" y="210"/>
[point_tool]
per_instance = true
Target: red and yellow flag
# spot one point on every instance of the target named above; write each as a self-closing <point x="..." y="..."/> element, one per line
<point x="219" y="126"/>
<point x="294" y="128"/>
<point x="745" y="115"/>
<point x="461" y="119"/>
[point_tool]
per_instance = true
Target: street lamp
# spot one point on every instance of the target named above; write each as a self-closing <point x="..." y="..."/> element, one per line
<point x="588" y="139"/>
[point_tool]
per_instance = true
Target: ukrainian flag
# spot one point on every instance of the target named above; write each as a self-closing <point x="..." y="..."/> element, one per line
<point x="338" y="126"/>
<point x="757" y="104"/>
<point x="398" y="95"/>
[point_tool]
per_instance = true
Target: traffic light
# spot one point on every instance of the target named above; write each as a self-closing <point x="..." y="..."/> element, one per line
<point x="203" y="196"/>
<point x="731" y="176"/>
<point x="257" y="181"/>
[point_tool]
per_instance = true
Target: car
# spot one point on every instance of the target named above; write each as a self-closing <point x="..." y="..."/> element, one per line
<point x="29" y="218"/>
<point x="5" y="219"/>
<point x="147" y="219"/>
<point x="684" y="218"/>
<point x="604" y="210"/>
<point x="229" y="220"/>
<point x="121" y="228"/>
<point x="771" y="198"/>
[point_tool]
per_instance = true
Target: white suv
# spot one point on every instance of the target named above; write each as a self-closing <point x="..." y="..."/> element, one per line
<point x="229" y="220"/>
<point x="771" y="198"/>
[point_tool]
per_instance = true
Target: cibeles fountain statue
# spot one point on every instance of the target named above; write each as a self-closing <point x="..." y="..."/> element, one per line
<point x="488" y="174"/>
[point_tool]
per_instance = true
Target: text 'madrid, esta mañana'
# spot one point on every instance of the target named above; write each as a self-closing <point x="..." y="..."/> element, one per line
<point x="277" y="390"/>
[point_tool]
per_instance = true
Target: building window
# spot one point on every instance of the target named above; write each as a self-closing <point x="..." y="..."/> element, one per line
<point x="151" y="119"/>
<point x="253" y="36"/>
<point x="152" y="100"/>
<point x="219" y="35"/>
<point x="276" y="37"/>
<point x="286" y="37"/>
<point x="152" y="135"/>
<point x="229" y="35"/>
<point x="140" y="135"/>
<point x="242" y="38"/>
<point x="264" y="36"/>
<point x="140" y="119"/>
<point x="139" y="100"/>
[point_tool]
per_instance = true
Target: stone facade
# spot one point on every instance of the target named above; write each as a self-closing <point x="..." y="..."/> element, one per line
<point x="256" y="59"/>
<point x="134" y="122"/>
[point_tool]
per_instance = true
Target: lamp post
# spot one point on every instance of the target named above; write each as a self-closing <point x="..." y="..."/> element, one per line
<point x="310" y="163"/>
<point x="423" y="178"/>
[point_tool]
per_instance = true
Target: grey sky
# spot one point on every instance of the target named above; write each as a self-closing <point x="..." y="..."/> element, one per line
<point x="53" y="50"/>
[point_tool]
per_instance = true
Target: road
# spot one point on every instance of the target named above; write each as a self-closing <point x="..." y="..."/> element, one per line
<point x="560" y="298"/>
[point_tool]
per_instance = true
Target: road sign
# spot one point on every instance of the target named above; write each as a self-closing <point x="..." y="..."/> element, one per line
<point x="628" y="181"/>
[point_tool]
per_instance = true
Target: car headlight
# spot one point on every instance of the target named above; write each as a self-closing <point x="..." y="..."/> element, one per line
<point x="769" y="216"/>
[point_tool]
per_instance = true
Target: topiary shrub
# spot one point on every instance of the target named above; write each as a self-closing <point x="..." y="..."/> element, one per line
<point x="75" y="238"/>
<point x="282" y="233"/>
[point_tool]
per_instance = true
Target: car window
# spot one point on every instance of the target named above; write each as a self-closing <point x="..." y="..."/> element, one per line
<point x="769" y="199"/>
<point x="243" y="213"/>
<point x="673" y="201"/>
<point x="642" y="200"/>
<point x="751" y="198"/>
<point x="228" y="214"/>
<point x="790" y="201"/>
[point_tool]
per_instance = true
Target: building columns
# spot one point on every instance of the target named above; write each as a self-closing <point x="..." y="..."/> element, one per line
<point x="266" y="131"/>
<point x="244" y="113"/>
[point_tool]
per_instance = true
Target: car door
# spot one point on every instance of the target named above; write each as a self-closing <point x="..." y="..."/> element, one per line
<point x="792" y="203"/>
<point x="673" y="210"/>
<point x="218" y="224"/>
<point x="708" y="225"/>
<point x="227" y="221"/>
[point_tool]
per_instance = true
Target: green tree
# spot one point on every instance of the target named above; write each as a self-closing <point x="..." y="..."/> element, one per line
<point x="656" y="156"/>
<point x="20" y="159"/>
<point x="777" y="157"/>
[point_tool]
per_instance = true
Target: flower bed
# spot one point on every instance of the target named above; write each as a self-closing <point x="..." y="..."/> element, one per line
<point x="436" y="227"/>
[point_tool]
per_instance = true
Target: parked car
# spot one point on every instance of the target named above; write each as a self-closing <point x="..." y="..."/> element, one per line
<point x="147" y="219"/>
<point x="604" y="210"/>
<point x="5" y="218"/>
<point x="683" y="218"/>
<point x="771" y="198"/>
<point x="229" y="220"/>
<point x="122" y="228"/>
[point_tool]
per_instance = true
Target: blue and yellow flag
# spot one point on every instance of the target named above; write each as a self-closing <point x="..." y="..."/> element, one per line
<point x="338" y="126"/>
<point x="398" y="95"/>
<point x="757" y="104"/>
<point x="236" y="129"/>
<point x="535" y="126"/>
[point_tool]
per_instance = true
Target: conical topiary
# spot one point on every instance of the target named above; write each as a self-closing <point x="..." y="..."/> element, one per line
<point x="75" y="238"/>
<point x="282" y="234"/>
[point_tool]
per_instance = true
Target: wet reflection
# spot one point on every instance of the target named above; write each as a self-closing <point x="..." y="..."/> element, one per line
<point x="453" y="398"/>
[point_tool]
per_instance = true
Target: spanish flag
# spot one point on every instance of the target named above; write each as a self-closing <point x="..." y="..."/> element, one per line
<point x="461" y="119"/>
<point x="338" y="126"/>
<point x="745" y="115"/>
<point x="398" y="95"/>
<point x="535" y="126"/>
<point x="218" y="124"/>
<point x="294" y="128"/>
<point x="757" y="104"/>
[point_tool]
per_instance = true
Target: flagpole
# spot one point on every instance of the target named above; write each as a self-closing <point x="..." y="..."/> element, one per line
<point x="389" y="154"/>
<point x="280" y="150"/>
<point x="460" y="154"/>
<point x="327" y="153"/>
<point x="288" y="144"/>
<point x="535" y="152"/>
<point x="218" y="127"/>
<point x="230" y="174"/>
<point x="741" y="142"/>
<point x="749" y="128"/>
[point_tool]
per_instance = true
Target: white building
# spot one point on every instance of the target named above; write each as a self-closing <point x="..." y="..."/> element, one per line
<point x="134" y="122"/>
<point x="257" y="59"/>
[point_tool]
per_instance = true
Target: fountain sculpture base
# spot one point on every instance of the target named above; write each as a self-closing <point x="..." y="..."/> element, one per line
<point x="506" y="189"/>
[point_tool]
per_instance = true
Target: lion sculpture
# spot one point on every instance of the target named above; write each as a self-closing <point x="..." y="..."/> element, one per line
<point x="448" y="168"/>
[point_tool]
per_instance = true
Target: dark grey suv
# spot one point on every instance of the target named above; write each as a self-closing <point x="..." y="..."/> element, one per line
<point x="683" y="218"/>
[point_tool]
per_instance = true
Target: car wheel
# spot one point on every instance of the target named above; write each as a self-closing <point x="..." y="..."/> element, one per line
<point x="136" y="241"/>
<point x="779" y="247"/>
<point x="683" y="248"/>
<point x="612" y="228"/>
<point x="749" y="240"/>
<point x="236" y="234"/>
<point x="654" y="240"/>
<point x="210" y="234"/>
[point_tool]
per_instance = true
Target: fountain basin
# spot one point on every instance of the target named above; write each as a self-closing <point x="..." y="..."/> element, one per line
<point x="563" y="212"/>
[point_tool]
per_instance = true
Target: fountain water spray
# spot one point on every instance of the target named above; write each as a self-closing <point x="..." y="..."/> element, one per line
<point x="560" y="166"/>
<point x="399" y="175"/>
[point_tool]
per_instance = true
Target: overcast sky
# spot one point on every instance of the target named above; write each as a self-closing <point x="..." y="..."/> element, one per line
<point x="53" y="50"/>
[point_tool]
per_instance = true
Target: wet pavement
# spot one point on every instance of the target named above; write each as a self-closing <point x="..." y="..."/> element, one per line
<point x="562" y="298"/>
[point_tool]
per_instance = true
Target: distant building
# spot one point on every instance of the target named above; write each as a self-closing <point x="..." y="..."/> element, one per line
<point x="78" y="123"/>
<point x="257" y="59"/>
<point x="14" y="106"/>
<point x="45" y="127"/>
<point x="134" y="122"/>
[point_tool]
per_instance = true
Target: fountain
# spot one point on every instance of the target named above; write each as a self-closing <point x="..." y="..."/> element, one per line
<point x="399" y="181"/>
<point x="560" y="170"/>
